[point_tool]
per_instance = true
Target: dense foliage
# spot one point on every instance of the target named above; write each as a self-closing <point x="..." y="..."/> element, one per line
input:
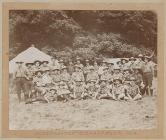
<point x="88" y="34"/>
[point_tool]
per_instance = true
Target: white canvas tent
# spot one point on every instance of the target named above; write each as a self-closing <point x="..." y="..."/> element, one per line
<point x="29" y="55"/>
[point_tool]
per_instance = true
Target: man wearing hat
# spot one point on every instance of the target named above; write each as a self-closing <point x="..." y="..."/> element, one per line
<point x="118" y="90"/>
<point x="47" y="79"/>
<point x="92" y="89"/>
<point x="133" y="90"/>
<point x="77" y="74"/>
<point x="20" y="78"/>
<point x="105" y="74"/>
<point x="30" y="74"/>
<point x="131" y="63"/>
<point x="148" y="70"/>
<point x="56" y="76"/>
<point x="117" y="73"/>
<point x="61" y="63"/>
<point x="78" y="63"/>
<point x="139" y="62"/>
<point x="86" y="69"/>
<point x="37" y="65"/>
<point x="78" y="89"/>
<point x="63" y="92"/>
<point x="53" y="62"/>
<point x="44" y="65"/>
<point x="92" y="75"/>
<point x="51" y="95"/>
<point x="104" y="90"/>
<point x="110" y="68"/>
<point x="39" y="86"/>
<point x="70" y="67"/>
<point x="101" y="67"/>
<point x="127" y="73"/>
<point x="65" y="76"/>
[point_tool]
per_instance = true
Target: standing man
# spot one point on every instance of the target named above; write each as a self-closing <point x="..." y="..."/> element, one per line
<point x="147" y="70"/>
<point x="86" y="69"/>
<point x="78" y="63"/>
<point x="44" y="65"/>
<point x="53" y="63"/>
<point x="70" y="67"/>
<point x="20" y="76"/>
<point x="37" y="65"/>
<point x="65" y="76"/>
<point x="92" y="75"/>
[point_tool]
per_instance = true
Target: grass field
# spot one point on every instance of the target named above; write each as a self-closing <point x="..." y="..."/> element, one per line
<point x="83" y="115"/>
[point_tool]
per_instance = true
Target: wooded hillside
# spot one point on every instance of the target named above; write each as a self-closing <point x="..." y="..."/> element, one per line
<point x="85" y="33"/>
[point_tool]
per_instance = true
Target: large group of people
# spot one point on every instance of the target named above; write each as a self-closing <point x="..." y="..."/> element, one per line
<point x="43" y="81"/>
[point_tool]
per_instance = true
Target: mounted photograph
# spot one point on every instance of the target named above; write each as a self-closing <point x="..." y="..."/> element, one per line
<point x="82" y="72"/>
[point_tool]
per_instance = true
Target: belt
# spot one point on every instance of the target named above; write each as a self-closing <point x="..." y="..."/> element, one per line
<point x="20" y="77"/>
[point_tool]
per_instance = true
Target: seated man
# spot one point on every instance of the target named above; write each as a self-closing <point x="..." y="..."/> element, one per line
<point x="118" y="90"/>
<point x="105" y="90"/>
<point x="92" y="89"/>
<point x="39" y="86"/>
<point x="78" y="89"/>
<point x="133" y="90"/>
<point x="63" y="92"/>
<point x="48" y="97"/>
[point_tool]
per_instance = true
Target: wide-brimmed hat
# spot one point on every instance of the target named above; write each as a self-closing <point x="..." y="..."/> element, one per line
<point x="37" y="61"/>
<point x="61" y="61"/>
<point x="124" y="60"/>
<point x="45" y="61"/>
<point x="140" y="55"/>
<point x="119" y="62"/>
<point x="46" y="69"/>
<point x="126" y="69"/>
<point x="36" y="72"/>
<point x="116" y="68"/>
<point x="147" y="57"/>
<point x="105" y="68"/>
<point x="117" y="78"/>
<point x="104" y="61"/>
<point x="132" y="58"/>
<point x="62" y="83"/>
<point x="77" y="66"/>
<point x="64" y="67"/>
<point x="19" y="62"/>
<point x="78" y="80"/>
<point x="28" y="64"/>
<point x="86" y="60"/>
<point x="53" y="89"/>
<point x="91" y="68"/>
<point x="78" y="58"/>
<point x="92" y="80"/>
<point x="111" y="63"/>
<point x="132" y="78"/>
<point x="55" y="68"/>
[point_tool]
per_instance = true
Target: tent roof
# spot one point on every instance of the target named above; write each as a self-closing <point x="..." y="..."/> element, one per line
<point x="29" y="55"/>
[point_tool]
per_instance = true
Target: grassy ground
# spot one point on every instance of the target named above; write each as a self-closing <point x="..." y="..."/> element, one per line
<point x="83" y="115"/>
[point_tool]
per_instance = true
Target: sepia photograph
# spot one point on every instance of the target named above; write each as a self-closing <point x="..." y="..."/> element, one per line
<point x="83" y="70"/>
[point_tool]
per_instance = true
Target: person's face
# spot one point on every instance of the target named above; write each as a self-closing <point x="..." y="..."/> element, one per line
<point x="39" y="74"/>
<point x="95" y="63"/>
<point x="78" y="83"/>
<point x="87" y="63"/>
<point x="117" y="82"/>
<point x="45" y="64"/>
<point x="70" y="63"/>
<point x="126" y="72"/>
<point x="92" y="83"/>
<point x="37" y="64"/>
<point x="103" y="83"/>
<point x="146" y="60"/>
<point x="52" y="91"/>
<point x="77" y="69"/>
<point x="132" y="61"/>
<point x="64" y="70"/>
<point x="104" y="64"/>
<point x="53" y="60"/>
<point x="116" y="71"/>
<point x="132" y="83"/>
<point x="78" y="62"/>
<point x="47" y="72"/>
<point x="136" y="71"/>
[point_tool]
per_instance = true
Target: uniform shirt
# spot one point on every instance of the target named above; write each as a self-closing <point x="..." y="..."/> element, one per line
<point x="100" y="71"/>
<point x="79" y="89"/>
<point x="65" y="77"/>
<point x="118" y="89"/>
<point x="133" y="90"/>
<point x="70" y="69"/>
<point x="119" y="75"/>
<point x="77" y="76"/>
<point x="104" y="89"/>
<point x="47" y="79"/>
<point x="36" y="68"/>
<point x="30" y="73"/>
<point x="139" y="63"/>
<point x="56" y="78"/>
<point x="147" y="67"/>
<point x="93" y="88"/>
<point x="92" y="76"/>
<point x="86" y="69"/>
<point x="38" y="81"/>
<point x="105" y="76"/>
<point x="127" y="76"/>
<point x="138" y="78"/>
<point x="20" y="72"/>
